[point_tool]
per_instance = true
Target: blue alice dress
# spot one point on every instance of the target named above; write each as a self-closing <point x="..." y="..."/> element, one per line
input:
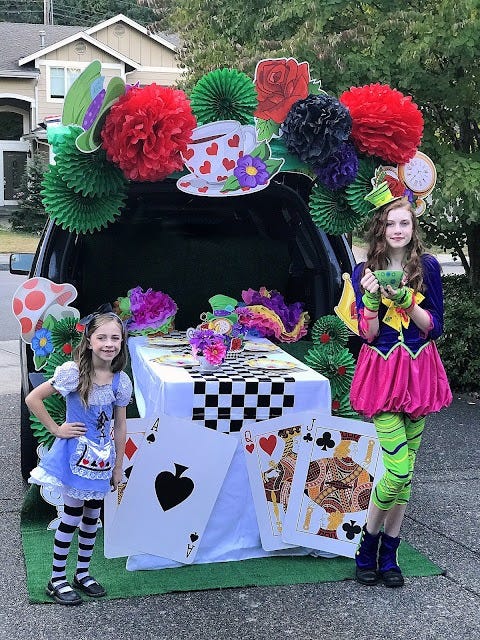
<point x="82" y="467"/>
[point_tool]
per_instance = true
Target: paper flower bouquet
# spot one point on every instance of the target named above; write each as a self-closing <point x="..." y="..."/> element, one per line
<point x="147" y="312"/>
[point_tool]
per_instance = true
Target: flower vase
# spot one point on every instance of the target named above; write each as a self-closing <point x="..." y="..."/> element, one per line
<point x="205" y="365"/>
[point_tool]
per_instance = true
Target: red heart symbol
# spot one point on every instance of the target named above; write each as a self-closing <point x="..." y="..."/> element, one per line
<point x="202" y="189"/>
<point x="250" y="448"/>
<point x="228" y="164"/>
<point x="188" y="153"/>
<point x="206" y="167"/>
<point x="85" y="461"/>
<point x="221" y="178"/>
<point x="185" y="184"/>
<point x="212" y="149"/>
<point x="268" y="444"/>
<point x="234" y="141"/>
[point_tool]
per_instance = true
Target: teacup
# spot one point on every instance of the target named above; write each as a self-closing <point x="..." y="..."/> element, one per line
<point x="387" y="277"/>
<point x="215" y="148"/>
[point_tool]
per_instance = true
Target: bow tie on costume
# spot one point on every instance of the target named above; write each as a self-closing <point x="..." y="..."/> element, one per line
<point x="396" y="317"/>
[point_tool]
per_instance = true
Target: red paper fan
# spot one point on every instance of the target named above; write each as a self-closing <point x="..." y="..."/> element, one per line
<point x="385" y="123"/>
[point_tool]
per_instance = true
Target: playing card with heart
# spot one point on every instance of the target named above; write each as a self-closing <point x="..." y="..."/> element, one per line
<point x="339" y="461"/>
<point x="173" y="487"/>
<point x="270" y="448"/>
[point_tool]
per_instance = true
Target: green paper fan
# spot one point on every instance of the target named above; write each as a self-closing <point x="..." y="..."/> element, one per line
<point x="64" y="332"/>
<point x="337" y="365"/>
<point x="341" y="407"/>
<point x="56" y="407"/>
<point x="72" y="211"/>
<point x="356" y="191"/>
<point x="224" y="94"/>
<point x="331" y="212"/>
<point x="55" y="359"/>
<point x="89" y="174"/>
<point x="329" y="330"/>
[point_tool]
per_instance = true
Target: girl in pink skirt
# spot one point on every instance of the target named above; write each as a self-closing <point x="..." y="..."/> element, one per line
<point x="399" y="377"/>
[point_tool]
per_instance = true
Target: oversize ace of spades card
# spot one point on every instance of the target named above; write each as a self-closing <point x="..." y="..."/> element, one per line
<point x="115" y="545"/>
<point x="173" y="487"/>
<point x="339" y="461"/>
<point x="270" y="449"/>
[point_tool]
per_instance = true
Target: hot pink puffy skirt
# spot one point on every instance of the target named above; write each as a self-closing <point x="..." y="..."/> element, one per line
<point x="400" y="383"/>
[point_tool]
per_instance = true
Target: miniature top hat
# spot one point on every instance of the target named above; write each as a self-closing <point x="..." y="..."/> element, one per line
<point x="381" y="195"/>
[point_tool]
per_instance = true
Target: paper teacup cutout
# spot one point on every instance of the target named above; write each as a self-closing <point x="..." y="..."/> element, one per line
<point x="33" y="298"/>
<point x="387" y="277"/>
<point x="215" y="148"/>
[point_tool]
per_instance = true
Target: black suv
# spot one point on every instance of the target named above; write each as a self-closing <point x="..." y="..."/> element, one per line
<point x="193" y="247"/>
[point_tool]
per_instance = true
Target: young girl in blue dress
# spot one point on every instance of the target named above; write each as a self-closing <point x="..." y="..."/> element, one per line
<point x="83" y="462"/>
<point x="399" y="377"/>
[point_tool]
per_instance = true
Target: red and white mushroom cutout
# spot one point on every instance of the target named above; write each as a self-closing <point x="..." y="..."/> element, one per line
<point x="34" y="298"/>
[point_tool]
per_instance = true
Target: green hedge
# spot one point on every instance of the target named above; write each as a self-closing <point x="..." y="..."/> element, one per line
<point x="459" y="346"/>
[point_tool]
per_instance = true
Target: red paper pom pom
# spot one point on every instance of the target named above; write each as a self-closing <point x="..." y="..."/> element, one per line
<point x="385" y="123"/>
<point x="146" y="130"/>
<point x="67" y="349"/>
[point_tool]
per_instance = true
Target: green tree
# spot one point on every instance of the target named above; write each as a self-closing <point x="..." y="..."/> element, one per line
<point x="30" y="214"/>
<point x="426" y="48"/>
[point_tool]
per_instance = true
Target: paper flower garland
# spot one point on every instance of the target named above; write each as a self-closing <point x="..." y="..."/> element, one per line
<point x="147" y="312"/>
<point x="385" y="123"/>
<point x="75" y="212"/>
<point x="330" y="331"/>
<point x="331" y="211"/>
<point x="224" y="94"/>
<point x="340" y="169"/>
<point x="146" y="130"/>
<point x="316" y="127"/>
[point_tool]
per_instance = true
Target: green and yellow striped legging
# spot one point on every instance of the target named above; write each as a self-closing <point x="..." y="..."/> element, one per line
<point x="400" y="438"/>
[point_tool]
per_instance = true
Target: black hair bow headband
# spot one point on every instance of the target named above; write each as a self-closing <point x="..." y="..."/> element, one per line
<point x="103" y="308"/>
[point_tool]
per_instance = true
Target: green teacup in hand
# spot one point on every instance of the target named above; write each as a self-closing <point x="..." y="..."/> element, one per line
<point x="387" y="277"/>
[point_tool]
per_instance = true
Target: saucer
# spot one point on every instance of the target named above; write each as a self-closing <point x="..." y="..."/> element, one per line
<point x="171" y="359"/>
<point x="198" y="187"/>
<point x="270" y="364"/>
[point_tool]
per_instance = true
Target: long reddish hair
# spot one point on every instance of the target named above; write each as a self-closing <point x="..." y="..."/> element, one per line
<point x="377" y="253"/>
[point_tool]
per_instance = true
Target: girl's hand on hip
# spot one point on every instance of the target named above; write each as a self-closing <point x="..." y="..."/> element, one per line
<point x="369" y="282"/>
<point x="71" y="430"/>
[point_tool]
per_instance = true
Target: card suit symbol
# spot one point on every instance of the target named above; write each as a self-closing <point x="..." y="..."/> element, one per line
<point x="202" y="189"/>
<point x="228" y="164"/>
<point x="206" y="167"/>
<point x="250" y="448"/>
<point x="85" y="461"/>
<point x="351" y="529"/>
<point x="268" y="444"/>
<point x="185" y="184"/>
<point x="234" y="141"/>
<point x="188" y="154"/>
<point x="130" y="448"/>
<point x="221" y="178"/>
<point x="212" y="150"/>
<point x="151" y="438"/>
<point x="128" y="471"/>
<point x="194" y="537"/>
<point x="171" y="489"/>
<point x="94" y="463"/>
<point x="325" y="442"/>
<point x="101" y="464"/>
<point x="308" y="437"/>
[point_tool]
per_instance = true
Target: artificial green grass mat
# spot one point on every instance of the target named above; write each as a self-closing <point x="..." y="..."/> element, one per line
<point x="119" y="583"/>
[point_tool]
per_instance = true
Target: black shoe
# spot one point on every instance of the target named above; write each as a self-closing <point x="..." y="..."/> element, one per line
<point x="90" y="586"/>
<point x="63" y="593"/>
<point x="392" y="578"/>
<point x="366" y="576"/>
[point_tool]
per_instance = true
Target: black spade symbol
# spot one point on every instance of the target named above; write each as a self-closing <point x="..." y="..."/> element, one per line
<point x="171" y="489"/>
<point x="194" y="537"/>
<point x="151" y="438"/>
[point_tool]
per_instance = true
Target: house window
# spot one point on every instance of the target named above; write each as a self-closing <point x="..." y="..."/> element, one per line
<point x="11" y="125"/>
<point x="61" y="79"/>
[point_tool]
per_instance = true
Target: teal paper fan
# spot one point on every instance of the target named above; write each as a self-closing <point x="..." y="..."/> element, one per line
<point x="55" y="359"/>
<point x="329" y="330"/>
<point x="56" y="407"/>
<point x="331" y="211"/>
<point x="356" y="191"/>
<point x="75" y="212"/>
<point x="224" y="94"/>
<point x="64" y="332"/>
<point x="337" y="365"/>
<point x="341" y="407"/>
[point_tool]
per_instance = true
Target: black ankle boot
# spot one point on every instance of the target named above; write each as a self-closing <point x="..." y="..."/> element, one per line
<point x="388" y="563"/>
<point x="366" y="558"/>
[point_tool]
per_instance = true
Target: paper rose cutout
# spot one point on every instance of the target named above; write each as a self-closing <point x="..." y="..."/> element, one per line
<point x="146" y="131"/>
<point x="280" y="83"/>
<point x="316" y="127"/>
<point x="385" y="123"/>
<point x="251" y="171"/>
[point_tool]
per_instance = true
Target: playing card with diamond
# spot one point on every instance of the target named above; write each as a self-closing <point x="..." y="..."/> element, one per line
<point x="173" y="487"/>
<point x="270" y="448"/>
<point x="339" y="461"/>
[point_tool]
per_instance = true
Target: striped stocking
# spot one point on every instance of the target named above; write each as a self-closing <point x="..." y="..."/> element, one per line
<point x="71" y="517"/>
<point x="87" y="533"/>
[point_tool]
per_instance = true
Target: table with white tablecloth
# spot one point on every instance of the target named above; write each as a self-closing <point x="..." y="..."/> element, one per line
<point x="238" y="393"/>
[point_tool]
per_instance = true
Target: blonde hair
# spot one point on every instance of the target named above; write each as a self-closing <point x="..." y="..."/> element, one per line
<point x="83" y="354"/>
<point x="377" y="253"/>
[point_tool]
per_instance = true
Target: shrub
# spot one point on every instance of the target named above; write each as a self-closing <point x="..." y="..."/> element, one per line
<point x="459" y="346"/>
<point x="30" y="215"/>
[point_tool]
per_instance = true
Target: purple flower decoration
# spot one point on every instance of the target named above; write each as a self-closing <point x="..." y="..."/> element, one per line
<point x="340" y="169"/>
<point x="42" y="343"/>
<point x="149" y="308"/>
<point x="251" y="171"/>
<point x="289" y="314"/>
